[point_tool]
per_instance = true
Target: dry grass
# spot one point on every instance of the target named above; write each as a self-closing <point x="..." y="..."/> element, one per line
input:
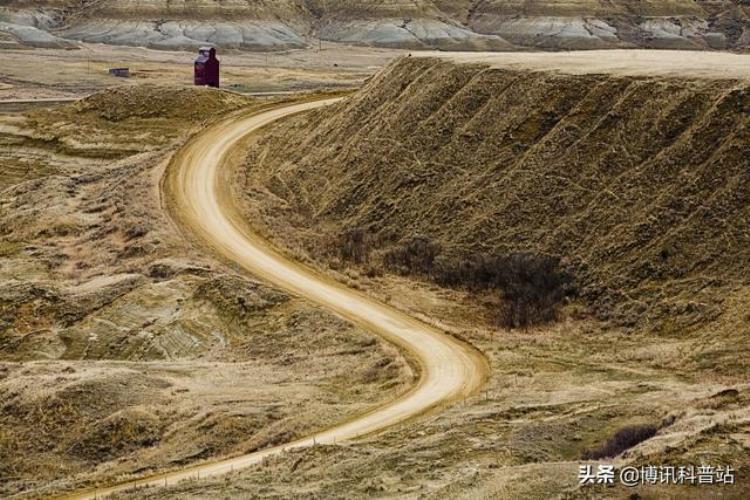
<point x="435" y="161"/>
<point x="624" y="439"/>
<point x="176" y="359"/>
<point x="123" y="349"/>
<point x="613" y="176"/>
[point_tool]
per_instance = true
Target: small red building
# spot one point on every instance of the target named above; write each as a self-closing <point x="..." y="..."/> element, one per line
<point x="207" y="67"/>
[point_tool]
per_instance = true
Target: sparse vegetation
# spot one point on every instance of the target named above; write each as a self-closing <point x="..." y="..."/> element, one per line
<point x="455" y="171"/>
<point x="482" y="179"/>
<point x="159" y="103"/>
<point x="624" y="439"/>
<point x="124" y="348"/>
<point x="416" y="255"/>
<point x="532" y="286"/>
<point x="353" y="245"/>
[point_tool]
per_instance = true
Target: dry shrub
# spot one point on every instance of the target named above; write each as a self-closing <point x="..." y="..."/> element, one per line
<point x="119" y="434"/>
<point x="623" y="439"/>
<point x="532" y="285"/>
<point x="417" y="256"/>
<point x="353" y="245"/>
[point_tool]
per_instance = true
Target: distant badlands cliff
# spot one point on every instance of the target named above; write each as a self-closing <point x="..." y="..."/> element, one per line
<point x="411" y="24"/>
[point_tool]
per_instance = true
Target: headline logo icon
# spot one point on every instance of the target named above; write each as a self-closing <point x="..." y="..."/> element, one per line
<point x="703" y="475"/>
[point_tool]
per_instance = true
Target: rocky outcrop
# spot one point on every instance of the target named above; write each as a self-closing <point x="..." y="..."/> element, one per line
<point x="30" y="29"/>
<point x="188" y="34"/>
<point x="424" y="24"/>
<point x="31" y="36"/>
<point x="583" y="24"/>
<point x="410" y="34"/>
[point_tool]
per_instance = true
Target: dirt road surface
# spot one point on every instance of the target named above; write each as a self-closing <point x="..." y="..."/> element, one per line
<point x="449" y="370"/>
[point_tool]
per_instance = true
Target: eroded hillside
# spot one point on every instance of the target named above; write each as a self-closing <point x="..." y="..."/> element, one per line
<point x="616" y="176"/>
<point x="448" y="25"/>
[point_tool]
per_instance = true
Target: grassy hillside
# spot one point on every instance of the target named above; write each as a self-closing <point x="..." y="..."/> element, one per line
<point x="637" y="186"/>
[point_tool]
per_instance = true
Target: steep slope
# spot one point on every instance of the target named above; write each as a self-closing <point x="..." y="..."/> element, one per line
<point x="262" y="24"/>
<point x="159" y="24"/>
<point x="639" y="185"/>
<point x="592" y="23"/>
<point x="399" y="24"/>
<point x="441" y="24"/>
<point x="30" y="27"/>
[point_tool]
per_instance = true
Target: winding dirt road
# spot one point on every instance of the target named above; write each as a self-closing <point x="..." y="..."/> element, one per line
<point x="198" y="193"/>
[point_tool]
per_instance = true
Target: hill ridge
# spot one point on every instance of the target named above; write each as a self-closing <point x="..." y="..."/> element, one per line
<point x="426" y="24"/>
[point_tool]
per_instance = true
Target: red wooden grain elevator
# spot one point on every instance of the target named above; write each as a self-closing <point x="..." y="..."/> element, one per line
<point x="207" y="67"/>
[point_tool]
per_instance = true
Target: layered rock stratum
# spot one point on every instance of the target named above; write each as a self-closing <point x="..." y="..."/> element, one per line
<point x="263" y="25"/>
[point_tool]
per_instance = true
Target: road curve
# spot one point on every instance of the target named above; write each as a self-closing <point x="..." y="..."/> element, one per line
<point x="449" y="370"/>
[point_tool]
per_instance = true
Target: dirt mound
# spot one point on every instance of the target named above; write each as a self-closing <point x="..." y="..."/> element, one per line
<point x="149" y="101"/>
<point x="119" y="434"/>
<point x="116" y="123"/>
<point x="638" y="185"/>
